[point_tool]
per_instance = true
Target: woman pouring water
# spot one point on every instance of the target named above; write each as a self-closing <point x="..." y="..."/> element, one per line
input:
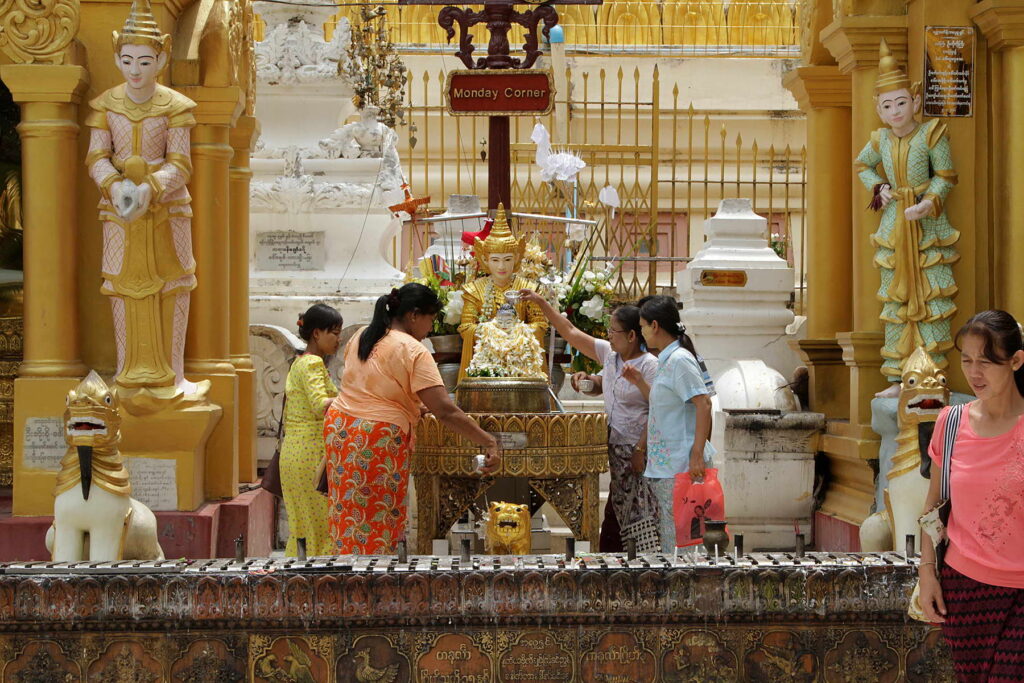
<point x="631" y="505"/>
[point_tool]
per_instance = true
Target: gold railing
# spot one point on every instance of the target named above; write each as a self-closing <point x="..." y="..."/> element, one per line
<point x="669" y="177"/>
<point x="695" y="27"/>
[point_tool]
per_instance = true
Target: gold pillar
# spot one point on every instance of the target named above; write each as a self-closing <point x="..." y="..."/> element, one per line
<point x="207" y="347"/>
<point x="823" y="93"/>
<point x="1002" y="22"/>
<point x="49" y="97"/>
<point x="242" y="140"/>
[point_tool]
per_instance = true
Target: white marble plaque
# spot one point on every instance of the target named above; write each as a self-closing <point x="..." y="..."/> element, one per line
<point x="43" y="444"/>
<point x="511" y="440"/>
<point x="154" y="482"/>
<point x="287" y="250"/>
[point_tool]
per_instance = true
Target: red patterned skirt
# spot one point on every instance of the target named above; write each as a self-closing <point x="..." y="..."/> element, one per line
<point x="367" y="477"/>
<point x="984" y="629"/>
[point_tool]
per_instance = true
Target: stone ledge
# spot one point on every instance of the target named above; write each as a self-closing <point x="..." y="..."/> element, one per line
<point x="501" y="619"/>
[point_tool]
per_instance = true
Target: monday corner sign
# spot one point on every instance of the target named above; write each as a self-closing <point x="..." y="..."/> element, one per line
<point x="499" y="92"/>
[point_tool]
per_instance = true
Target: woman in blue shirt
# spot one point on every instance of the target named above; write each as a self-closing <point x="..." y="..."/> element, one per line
<point x="679" y="418"/>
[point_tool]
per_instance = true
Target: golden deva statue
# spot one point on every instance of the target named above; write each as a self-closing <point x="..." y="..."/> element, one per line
<point x="139" y="158"/>
<point x="500" y="256"/>
<point x="908" y="168"/>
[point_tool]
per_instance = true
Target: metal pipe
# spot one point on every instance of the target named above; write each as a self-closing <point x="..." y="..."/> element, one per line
<point x="554" y="219"/>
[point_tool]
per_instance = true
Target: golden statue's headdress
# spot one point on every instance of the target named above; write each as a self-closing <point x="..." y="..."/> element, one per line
<point x="890" y="76"/>
<point x="499" y="241"/>
<point x="140" y="28"/>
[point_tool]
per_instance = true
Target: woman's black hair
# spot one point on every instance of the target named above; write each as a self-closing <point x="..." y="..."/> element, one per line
<point x="1002" y="338"/>
<point x="410" y="298"/>
<point x="629" y="318"/>
<point x="318" y="317"/>
<point x="665" y="311"/>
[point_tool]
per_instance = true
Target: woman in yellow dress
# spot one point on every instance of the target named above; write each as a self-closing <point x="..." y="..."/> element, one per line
<point x="309" y="392"/>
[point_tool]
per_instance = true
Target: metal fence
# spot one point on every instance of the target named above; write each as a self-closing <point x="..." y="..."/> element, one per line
<point x="669" y="165"/>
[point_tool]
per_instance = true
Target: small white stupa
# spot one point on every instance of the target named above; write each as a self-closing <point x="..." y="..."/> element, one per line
<point x="734" y="293"/>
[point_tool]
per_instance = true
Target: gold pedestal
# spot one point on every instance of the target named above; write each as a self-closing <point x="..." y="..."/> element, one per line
<point x="180" y="434"/>
<point x="503" y="395"/>
<point x="560" y="454"/>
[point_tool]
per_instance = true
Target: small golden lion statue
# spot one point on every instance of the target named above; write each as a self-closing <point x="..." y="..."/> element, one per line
<point x="508" y="529"/>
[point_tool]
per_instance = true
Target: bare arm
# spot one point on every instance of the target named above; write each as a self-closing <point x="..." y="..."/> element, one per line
<point x="636" y="377"/>
<point x="930" y="591"/>
<point x="576" y="337"/>
<point x="702" y="402"/>
<point x="437" y="401"/>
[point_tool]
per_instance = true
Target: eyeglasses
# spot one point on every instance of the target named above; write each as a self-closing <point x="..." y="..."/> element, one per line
<point x="612" y="330"/>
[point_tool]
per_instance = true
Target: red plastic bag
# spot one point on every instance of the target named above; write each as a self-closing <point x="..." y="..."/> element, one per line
<point x="693" y="503"/>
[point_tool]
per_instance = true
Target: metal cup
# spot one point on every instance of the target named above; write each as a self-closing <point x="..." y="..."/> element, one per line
<point x="513" y="296"/>
<point x="586" y="385"/>
<point x="478" y="463"/>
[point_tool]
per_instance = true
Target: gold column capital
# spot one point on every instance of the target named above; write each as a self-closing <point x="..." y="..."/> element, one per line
<point x="58" y="84"/>
<point x="853" y="41"/>
<point x="215" y="106"/>
<point x="1001" y="21"/>
<point x="861" y="349"/>
<point x="819" y="87"/>
<point x="245" y="132"/>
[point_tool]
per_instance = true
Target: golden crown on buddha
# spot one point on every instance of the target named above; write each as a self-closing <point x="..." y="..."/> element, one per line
<point x="140" y="28"/>
<point x="499" y="241"/>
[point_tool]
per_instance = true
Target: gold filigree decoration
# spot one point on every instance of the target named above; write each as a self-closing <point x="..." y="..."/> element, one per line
<point x="38" y="31"/>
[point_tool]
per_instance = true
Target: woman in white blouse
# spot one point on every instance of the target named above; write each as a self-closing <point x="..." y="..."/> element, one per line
<point x="631" y="506"/>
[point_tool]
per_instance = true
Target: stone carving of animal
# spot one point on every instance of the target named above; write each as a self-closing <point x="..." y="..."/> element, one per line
<point x="94" y="516"/>
<point x="369" y="674"/>
<point x="923" y="394"/>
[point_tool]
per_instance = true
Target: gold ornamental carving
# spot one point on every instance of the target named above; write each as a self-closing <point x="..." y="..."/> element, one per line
<point x="557" y="445"/>
<point x="38" y="31"/>
<point x="560" y="454"/>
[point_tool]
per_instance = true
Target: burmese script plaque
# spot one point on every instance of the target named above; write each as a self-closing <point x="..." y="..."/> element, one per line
<point x="723" y="278"/>
<point x="154" y="482"/>
<point x="454" y="657"/>
<point x="538" y="658"/>
<point x="43" y="443"/>
<point x="499" y="92"/>
<point x="287" y="250"/>
<point x="617" y="657"/>
<point x="948" y="71"/>
<point x="510" y="440"/>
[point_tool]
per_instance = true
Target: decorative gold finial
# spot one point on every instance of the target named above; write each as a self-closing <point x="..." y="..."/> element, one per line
<point x="500" y="240"/>
<point x="890" y="76"/>
<point x="140" y="28"/>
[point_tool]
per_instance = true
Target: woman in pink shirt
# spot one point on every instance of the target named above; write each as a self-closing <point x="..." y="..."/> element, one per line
<point x="389" y="377"/>
<point x="978" y="595"/>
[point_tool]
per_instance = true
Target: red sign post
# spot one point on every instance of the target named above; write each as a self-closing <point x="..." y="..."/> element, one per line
<point x="499" y="92"/>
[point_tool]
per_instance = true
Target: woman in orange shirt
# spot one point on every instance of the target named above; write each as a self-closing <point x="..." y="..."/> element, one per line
<point x="978" y="595"/>
<point x="389" y="377"/>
